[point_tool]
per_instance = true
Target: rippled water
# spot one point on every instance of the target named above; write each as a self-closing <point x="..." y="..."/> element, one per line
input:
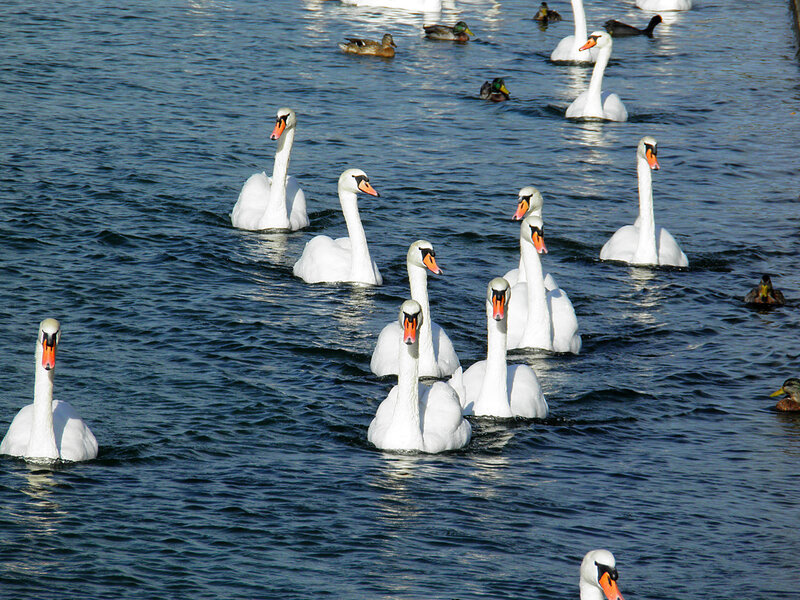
<point x="231" y="400"/>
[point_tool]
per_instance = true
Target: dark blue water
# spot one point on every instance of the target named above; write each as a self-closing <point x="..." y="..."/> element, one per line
<point x="231" y="400"/>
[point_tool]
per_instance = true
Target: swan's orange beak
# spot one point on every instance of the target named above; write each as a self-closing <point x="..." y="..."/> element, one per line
<point x="49" y="353"/>
<point x="367" y="188"/>
<point x="590" y="43"/>
<point x="498" y="305"/>
<point x="651" y="159"/>
<point x="280" y="125"/>
<point x="522" y="208"/>
<point x="409" y="329"/>
<point x="430" y="261"/>
<point x="538" y="241"/>
<point x="610" y="588"/>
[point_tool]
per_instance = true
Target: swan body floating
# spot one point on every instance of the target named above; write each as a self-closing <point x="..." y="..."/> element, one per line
<point x="496" y="91"/>
<point x="644" y="243"/>
<point x="593" y="103"/>
<point x="414" y="416"/>
<point x="538" y="317"/>
<point x="459" y="32"/>
<point x="599" y="576"/>
<point x="764" y="294"/>
<point x="618" y="29"/>
<point x="546" y="15"/>
<point x="411" y="5"/>
<point x="384" y="48"/>
<point x="48" y="429"/>
<point x="275" y="202"/>
<point x="664" y="5"/>
<point x="529" y="202"/>
<point x="569" y="48"/>
<point x="491" y="387"/>
<point x="437" y="357"/>
<point x="347" y="259"/>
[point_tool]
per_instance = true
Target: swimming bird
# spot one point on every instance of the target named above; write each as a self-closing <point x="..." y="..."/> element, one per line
<point x="496" y="91"/>
<point x="275" y="202"/>
<point x="384" y="48"/>
<point x="529" y="202"/>
<point x="547" y="15"/>
<point x="414" y="416"/>
<point x="491" y="387"/>
<point x="346" y="259"/>
<point x="593" y="103"/>
<point x="664" y="5"/>
<point x="459" y="32"/>
<point x="790" y="387"/>
<point x="569" y="48"/>
<point x="618" y="29"/>
<point x="437" y="357"/>
<point x="48" y="429"/>
<point x="599" y="576"/>
<point x="764" y="294"/>
<point x="644" y="243"/>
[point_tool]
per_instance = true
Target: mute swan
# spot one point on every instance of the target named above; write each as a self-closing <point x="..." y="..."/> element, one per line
<point x="384" y="48"/>
<point x="262" y="203"/>
<point x="791" y="388"/>
<point x="529" y="202"/>
<point x="538" y="317"/>
<point x="618" y="29"/>
<point x="593" y="103"/>
<point x="48" y="429"/>
<point x="496" y="91"/>
<point x="459" y="32"/>
<point x="643" y="243"/>
<point x="599" y="576"/>
<point x="569" y="48"/>
<point x="764" y="294"/>
<point x="547" y="15"/>
<point x="415" y="416"/>
<point x="437" y="357"/>
<point x="664" y="5"/>
<point x="344" y="259"/>
<point x="491" y="387"/>
<point x="411" y="5"/>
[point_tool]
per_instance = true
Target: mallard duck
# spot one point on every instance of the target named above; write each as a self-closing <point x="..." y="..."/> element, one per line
<point x="617" y="29"/>
<point x="764" y="294"/>
<point x="496" y="91"/>
<point x="384" y="48"/>
<point x="459" y="32"/>
<point x="790" y="387"/>
<point x="545" y="15"/>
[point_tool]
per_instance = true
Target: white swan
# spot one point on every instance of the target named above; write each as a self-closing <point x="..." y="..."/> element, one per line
<point x="643" y="243"/>
<point x="664" y="5"/>
<point x="412" y="5"/>
<point x="569" y="48"/>
<point x="343" y="259"/>
<point x="48" y="429"/>
<point x="491" y="387"/>
<point x="529" y="202"/>
<point x="599" y="576"/>
<point x="414" y="416"/>
<point x="262" y="203"/>
<point x="437" y="357"/>
<point x="537" y="317"/>
<point x="593" y="103"/>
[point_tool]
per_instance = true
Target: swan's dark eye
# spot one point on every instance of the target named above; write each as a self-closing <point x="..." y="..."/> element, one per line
<point x="535" y="230"/>
<point x="360" y="179"/>
<point x="651" y="148"/>
<point x="426" y="252"/>
<point x="526" y="198"/>
<point x="49" y="339"/>
<point x="594" y="37"/>
<point x="603" y="569"/>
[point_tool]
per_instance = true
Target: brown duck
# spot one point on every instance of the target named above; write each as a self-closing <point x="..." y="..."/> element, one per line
<point x="791" y="388"/>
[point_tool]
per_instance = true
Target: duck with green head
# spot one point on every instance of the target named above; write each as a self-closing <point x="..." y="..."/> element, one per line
<point x="459" y="32"/>
<point x="496" y="91"/>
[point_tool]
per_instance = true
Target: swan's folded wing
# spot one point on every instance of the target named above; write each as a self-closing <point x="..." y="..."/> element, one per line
<point x="622" y="244"/>
<point x="252" y="202"/>
<point x="443" y="426"/>
<point x="446" y="356"/>
<point x="386" y="356"/>
<point x="527" y="398"/>
<point x="669" y="252"/>
<point x="74" y="440"/>
<point x="296" y="204"/>
<point x="565" y="323"/>
<point x="15" y="442"/>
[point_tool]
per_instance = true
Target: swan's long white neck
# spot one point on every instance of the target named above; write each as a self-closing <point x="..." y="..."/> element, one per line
<point x="276" y="209"/>
<point x="538" y="327"/>
<point x="594" y="100"/>
<point x="418" y="281"/>
<point x="493" y="397"/>
<point x="522" y="276"/>
<point x="590" y="592"/>
<point x="407" y="407"/>
<point x="580" y="22"/>
<point x="646" y="251"/>
<point x="361" y="266"/>
<point x="42" y="442"/>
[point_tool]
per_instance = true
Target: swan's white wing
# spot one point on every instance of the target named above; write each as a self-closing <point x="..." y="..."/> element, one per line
<point x="578" y="106"/>
<point x="664" y="5"/>
<point x="324" y="260"/>
<point x="517" y="314"/>
<point x="386" y="356"/>
<point x="622" y="244"/>
<point x="565" y="323"/>
<point x="295" y="204"/>
<point x="468" y="385"/>
<point x="669" y="252"/>
<point x="613" y="108"/>
<point x="443" y="426"/>
<point x="74" y="439"/>
<point x="567" y="50"/>
<point x="446" y="357"/>
<point x="15" y="443"/>
<point x="527" y="399"/>
<point x="252" y="202"/>
<point x="512" y="277"/>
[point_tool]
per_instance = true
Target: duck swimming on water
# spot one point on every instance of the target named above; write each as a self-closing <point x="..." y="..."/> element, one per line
<point x="791" y="403"/>
<point x="496" y="91"/>
<point x="764" y="294"/>
<point x="459" y="32"/>
<point x="546" y="15"/>
<point x="618" y="29"/>
<point x="384" y="48"/>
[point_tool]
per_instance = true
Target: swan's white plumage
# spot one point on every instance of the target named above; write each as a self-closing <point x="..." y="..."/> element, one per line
<point x="275" y="202"/>
<point x="48" y="429"/>
<point x="568" y="49"/>
<point x="325" y="260"/>
<point x="529" y="202"/>
<point x="415" y="417"/>
<point x="412" y="5"/>
<point x="594" y="103"/>
<point x="598" y="579"/>
<point x="664" y="5"/>
<point x="437" y="357"/>
<point x="645" y="243"/>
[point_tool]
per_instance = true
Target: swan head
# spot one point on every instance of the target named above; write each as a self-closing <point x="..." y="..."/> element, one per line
<point x="285" y="119"/>
<point x="599" y="39"/>
<point x="410" y="320"/>
<point x="421" y="254"/>
<point x="354" y="181"/>
<point x="497" y="296"/>
<point x="648" y="150"/>
<point x="49" y="336"/>
<point x="532" y="231"/>
<point x="529" y="201"/>
<point x="388" y="40"/>
<point x="599" y="570"/>
<point x="461" y="27"/>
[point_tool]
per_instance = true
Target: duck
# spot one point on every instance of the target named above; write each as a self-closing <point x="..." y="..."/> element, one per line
<point x="537" y="317"/>
<point x="546" y="15"/>
<point x="529" y="202"/>
<point x="664" y="5"/>
<point x="415" y="417"/>
<point x="48" y="430"/>
<point x="437" y="357"/>
<point x="593" y="103"/>
<point x="275" y="202"/>
<point x="346" y="259"/>
<point x="496" y="91"/>
<point x="764" y="294"/>
<point x="384" y="48"/>
<point x="491" y="387"/>
<point x="599" y="576"/>
<point x="644" y="243"/>
<point x="618" y="29"/>
<point x="791" y="388"/>
<point x="569" y="48"/>
<point x="459" y="32"/>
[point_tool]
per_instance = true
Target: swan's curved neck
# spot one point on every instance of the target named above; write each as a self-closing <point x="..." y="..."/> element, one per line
<point x="580" y="22"/>
<point x="418" y="282"/>
<point x="277" y="191"/>
<point x="590" y="592"/>
<point x="538" y="328"/>
<point x="42" y="442"/>
<point x="594" y="100"/>
<point x="361" y="266"/>
<point x="407" y="408"/>
<point x="646" y="252"/>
